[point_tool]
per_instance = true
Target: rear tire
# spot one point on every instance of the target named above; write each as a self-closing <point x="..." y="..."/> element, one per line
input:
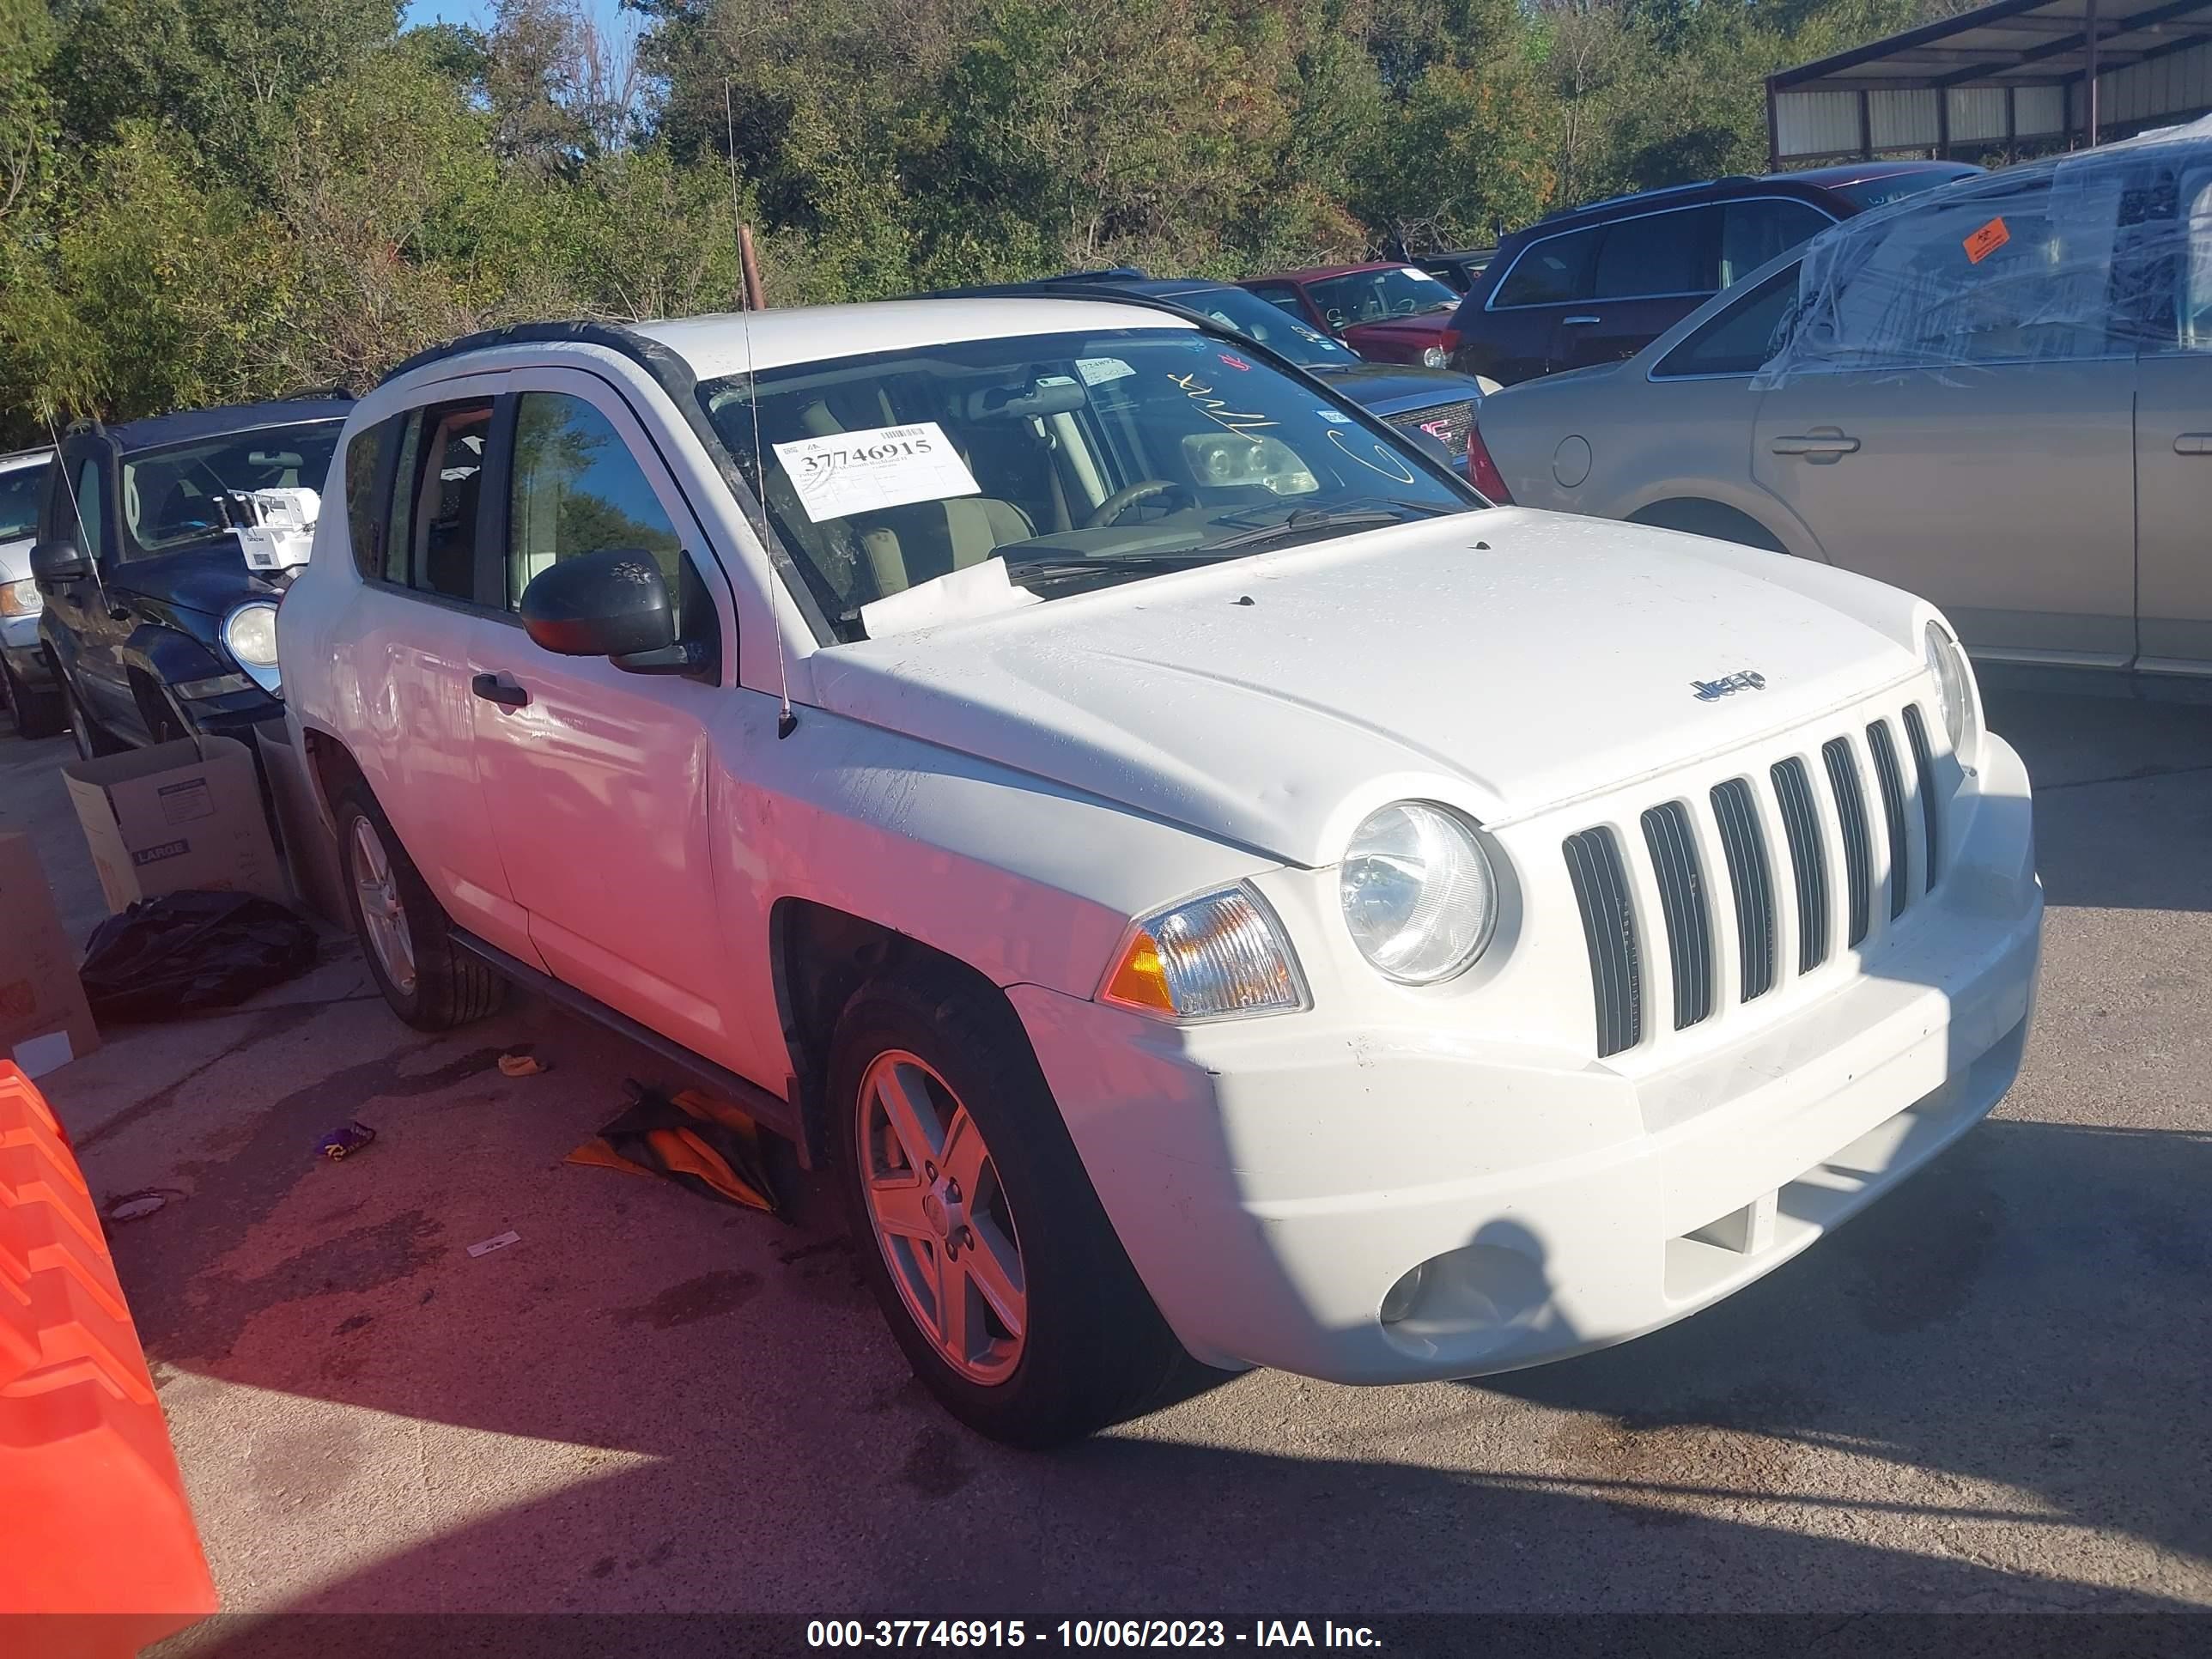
<point x="405" y="932"/>
<point x="1091" y="1349"/>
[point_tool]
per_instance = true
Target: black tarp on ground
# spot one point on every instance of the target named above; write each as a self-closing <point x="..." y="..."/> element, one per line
<point x="183" y="951"/>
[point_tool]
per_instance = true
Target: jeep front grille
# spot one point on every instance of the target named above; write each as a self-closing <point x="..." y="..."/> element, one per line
<point x="1692" y="846"/>
<point x="1609" y="926"/>
<point x="1744" y="845"/>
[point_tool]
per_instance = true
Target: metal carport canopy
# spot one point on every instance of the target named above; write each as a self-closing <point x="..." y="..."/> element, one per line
<point x="2019" y="73"/>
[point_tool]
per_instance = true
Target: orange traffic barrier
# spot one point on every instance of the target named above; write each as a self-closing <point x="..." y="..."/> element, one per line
<point x="93" y="1516"/>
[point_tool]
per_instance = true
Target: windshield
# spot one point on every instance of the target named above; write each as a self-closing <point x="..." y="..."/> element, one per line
<point x="1078" y="459"/>
<point x="1253" y="317"/>
<point x="19" y="503"/>
<point x="1869" y="193"/>
<point x="172" y="496"/>
<point x="1367" y="296"/>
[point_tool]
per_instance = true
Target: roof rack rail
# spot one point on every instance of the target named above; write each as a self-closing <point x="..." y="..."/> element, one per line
<point x="1108" y="274"/>
<point x="1656" y="191"/>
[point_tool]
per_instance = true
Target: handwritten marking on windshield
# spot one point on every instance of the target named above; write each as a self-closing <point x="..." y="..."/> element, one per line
<point x="1217" y="409"/>
<point x="1396" y="469"/>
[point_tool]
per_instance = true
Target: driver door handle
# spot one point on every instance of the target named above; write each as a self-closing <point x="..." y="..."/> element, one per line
<point x="1580" y="322"/>
<point x="1817" y="446"/>
<point x="499" y="688"/>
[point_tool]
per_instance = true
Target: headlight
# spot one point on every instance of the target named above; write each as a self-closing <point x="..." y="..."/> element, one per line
<point x="249" y="633"/>
<point x="1435" y="357"/>
<point x="1205" y="959"/>
<point x="20" y="598"/>
<point x="1955" y="690"/>
<point x="1418" y="893"/>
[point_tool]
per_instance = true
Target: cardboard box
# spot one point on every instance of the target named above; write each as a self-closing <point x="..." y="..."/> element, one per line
<point x="183" y="815"/>
<point x="44" y="1022"/>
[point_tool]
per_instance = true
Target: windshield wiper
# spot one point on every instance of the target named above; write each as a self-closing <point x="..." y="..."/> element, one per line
<point x="1024" y="570"/>
<point x="1317" y="518"/>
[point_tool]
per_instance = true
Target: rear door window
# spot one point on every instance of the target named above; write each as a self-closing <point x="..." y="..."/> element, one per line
<point x="2019" y="274"/>
<point x="1657" y="254"/>
<point x="2193" y="290"/>
<point x="364" y="527"/>
<point x="1765" y="228"/>
<point x="1554" y="270"/>
<point x="437" y="499"/>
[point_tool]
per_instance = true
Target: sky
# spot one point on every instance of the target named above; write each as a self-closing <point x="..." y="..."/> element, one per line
<point x="478" y="12"/>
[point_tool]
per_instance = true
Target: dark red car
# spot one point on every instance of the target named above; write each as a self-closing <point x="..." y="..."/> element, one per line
<point x="1386" y="312"/>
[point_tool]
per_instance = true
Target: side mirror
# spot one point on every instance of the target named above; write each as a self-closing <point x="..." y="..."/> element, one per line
<point x="609" y="603"/>
<point x="1436" y="449"/>
<point x="57" y="563"/>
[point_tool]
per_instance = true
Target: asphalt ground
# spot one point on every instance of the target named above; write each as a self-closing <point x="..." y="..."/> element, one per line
<point x="1988" y="1395"/>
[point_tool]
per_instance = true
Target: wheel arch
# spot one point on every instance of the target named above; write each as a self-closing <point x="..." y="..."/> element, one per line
<point x="1701" y="515"/>
<point x="330" y="768"/>
<point x="168" y="655"/>
<point x="819" y="955"/>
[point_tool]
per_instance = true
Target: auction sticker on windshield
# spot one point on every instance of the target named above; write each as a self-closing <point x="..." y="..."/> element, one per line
<point x="882" y="466"/>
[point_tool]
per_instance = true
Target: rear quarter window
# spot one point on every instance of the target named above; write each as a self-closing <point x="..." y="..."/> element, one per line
<point x="1740" y="338"/>
<point x="364" y="459"/>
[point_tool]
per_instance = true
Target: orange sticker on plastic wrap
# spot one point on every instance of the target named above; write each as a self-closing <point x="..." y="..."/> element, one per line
<point x="1985" y="241"/>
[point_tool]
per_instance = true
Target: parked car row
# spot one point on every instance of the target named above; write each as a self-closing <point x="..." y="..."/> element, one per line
<point x="27" y="692"/>
<point x="1998" y="394"/>
<point x="1434" y="407"/>
<point x="154" y="623"/>
<point x="1597" y="283"/>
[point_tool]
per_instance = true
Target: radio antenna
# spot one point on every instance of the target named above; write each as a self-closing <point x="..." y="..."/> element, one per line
<point x="76" y="511"/>
<point x="786" y="722"/>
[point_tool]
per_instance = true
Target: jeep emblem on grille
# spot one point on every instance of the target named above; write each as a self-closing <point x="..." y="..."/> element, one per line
<point x="1727" y="685"/>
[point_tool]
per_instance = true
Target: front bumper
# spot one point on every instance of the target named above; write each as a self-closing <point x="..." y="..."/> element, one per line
<point x="26" y="658"/>
<point x="234" y="714"/>
<point x="1273" y="1179"/>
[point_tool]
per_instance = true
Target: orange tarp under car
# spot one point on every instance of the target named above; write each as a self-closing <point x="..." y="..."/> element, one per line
<point x="93" y="1516"/>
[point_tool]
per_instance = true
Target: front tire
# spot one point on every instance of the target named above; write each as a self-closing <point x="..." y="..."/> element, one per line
<point x="975" y="1225"/>
<point x="36" y="712"/>
<point x="405" y="932"/>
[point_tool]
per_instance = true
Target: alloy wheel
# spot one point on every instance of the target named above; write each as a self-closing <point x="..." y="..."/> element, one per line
<point x="940" y="1216"/>
<point x="383" y="913"/>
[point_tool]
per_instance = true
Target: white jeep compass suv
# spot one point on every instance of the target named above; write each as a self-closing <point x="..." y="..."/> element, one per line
<point x="1200" y="880"/>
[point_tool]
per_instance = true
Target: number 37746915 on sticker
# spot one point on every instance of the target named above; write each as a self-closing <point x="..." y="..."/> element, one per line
<point x="848" y="472"/>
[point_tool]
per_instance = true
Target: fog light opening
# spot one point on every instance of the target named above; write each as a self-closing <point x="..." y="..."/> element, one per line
<point x="1398" y="1301"/>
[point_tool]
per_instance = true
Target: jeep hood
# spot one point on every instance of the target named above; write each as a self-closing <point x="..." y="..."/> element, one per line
<point x="1508" y="661"/>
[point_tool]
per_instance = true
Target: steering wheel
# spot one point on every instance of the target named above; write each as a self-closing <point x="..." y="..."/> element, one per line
<point x="1123" y="499"/>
